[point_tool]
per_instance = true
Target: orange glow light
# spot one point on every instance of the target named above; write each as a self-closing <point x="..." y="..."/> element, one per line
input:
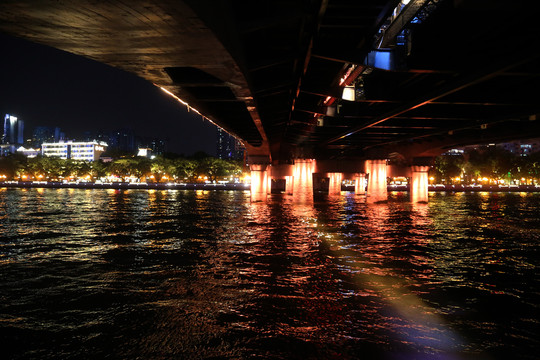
<point x="334" y="186"/>
<point x="259" y="183"/>
<point x="377" y="187"/>
<point x="303" y="179"/>
<point x="419" y="185"/>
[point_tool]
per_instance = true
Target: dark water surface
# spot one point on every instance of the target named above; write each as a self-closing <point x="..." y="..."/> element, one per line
<point x="147" y="274"/>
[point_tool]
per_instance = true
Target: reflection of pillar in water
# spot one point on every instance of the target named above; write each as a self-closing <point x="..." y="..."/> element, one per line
<point x="419" y="184"/>
<point x="259" y="182"/>
<point x="377" y="187"/>
<point x="334" y="184"/>
<point x="360" y="184"/>
<point x="303" y="179"/>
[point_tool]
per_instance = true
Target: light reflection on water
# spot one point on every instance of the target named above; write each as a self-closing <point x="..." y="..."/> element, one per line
<point x="209" y="274"/>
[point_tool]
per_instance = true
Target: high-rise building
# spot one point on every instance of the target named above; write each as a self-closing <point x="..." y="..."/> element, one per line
<point x="46" y="134"/>
<point x="12" y="137"/>
<point x="156" y="146"/>
<point x="124" y="140"/>
<point x="13" y="130"/>
<point x="228" y="148"/>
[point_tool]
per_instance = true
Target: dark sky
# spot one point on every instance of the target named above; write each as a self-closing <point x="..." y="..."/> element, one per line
<point x="47" y="87"/>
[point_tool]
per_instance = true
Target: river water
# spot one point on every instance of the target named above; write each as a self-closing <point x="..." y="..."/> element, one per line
<point x="180" y="274"/>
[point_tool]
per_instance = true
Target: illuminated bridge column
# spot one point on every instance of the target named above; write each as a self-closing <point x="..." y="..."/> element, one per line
<point x="334" y="183"/>
<point x="377" y="186"/>
<point x="303" y="179"/>
<point x="419" y="183"/>
<point x="259" y="182"/>
<point x="360" y="184"/>
<point x="289" y="184"/>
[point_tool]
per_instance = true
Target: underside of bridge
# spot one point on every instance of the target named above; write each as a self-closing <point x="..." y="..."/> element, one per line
<point x="328" y="79"/>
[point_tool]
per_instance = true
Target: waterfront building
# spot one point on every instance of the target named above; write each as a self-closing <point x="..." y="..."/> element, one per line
<point x="28" y="152"/>
<point x="522" y="147"/>
<point x="13" y="134"/>
<point x="13" y="130"/>
<point x="119" y="140"/>
<point x="5" y="149"/>
<point x="158" y="146"/>
<point x="456" y="152"/>
<point x="155" y="146"/>
<point x="122" y="140"/>
<point x="46" y="134"/>
<point x="88" y="151"/>
<point x="518" y="147"/>
<point x="145" y="152"/>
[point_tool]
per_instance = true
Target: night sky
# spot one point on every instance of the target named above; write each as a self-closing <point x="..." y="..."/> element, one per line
<point x="47" y="87"/>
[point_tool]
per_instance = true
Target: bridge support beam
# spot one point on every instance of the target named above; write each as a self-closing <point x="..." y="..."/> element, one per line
<point x="419" y="183"/>
<point x="377" y="185"/>
<point x="360" y="184"/>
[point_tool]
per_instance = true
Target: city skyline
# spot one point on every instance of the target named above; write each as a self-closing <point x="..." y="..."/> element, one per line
<point x="43" y="86"/>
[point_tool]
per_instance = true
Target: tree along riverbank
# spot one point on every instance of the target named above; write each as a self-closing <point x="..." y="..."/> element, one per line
<point x="243" y="186"/>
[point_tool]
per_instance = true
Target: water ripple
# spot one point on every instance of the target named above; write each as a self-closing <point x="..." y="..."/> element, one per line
<point x="207" y="274"/>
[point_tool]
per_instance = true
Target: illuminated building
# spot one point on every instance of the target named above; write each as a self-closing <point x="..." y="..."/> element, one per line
<point x="518" y="147"/>
<point x="88" y="151"/>
<point x="119" y="140"/>
<point x="13" y="130"/>
<point x="158" y="146"/>
<point x="522" y="147"/>
<point x="145" y="152"/>
<point x="13" y="134"/>
<point x="29" y="152"/>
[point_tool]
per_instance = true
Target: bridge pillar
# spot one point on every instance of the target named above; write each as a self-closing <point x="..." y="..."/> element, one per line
<point x="303" y="179"/>
<point x="259" y="182"/>
<point x="282" y="178"/>
<point x="334" y="183"/>
<point x="289" y="184"/>
<point x="360" y="184"/>
<point x="377" y="184"/>
<point x="419" y="183"/>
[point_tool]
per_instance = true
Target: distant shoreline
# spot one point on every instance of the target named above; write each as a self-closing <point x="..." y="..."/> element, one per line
<point x="246" y="187"/>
